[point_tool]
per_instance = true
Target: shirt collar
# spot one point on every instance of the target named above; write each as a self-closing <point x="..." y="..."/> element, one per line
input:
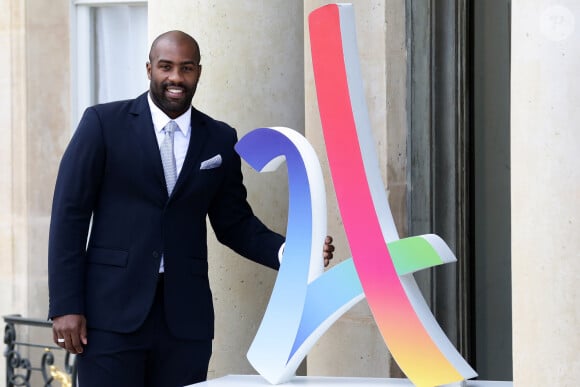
<point x="160" y="119"/>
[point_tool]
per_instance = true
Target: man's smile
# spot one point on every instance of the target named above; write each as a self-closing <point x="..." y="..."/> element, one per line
<point x="175" y="92"/>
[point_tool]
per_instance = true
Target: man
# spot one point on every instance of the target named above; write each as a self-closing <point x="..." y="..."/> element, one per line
<point x="135" y="303"/>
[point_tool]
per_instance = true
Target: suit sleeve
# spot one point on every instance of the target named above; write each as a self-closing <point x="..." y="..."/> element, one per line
<point x="75" y="195"/>
<point x="234" y="222"/>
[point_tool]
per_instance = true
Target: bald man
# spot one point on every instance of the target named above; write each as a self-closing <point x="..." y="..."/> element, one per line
<point x="134" y="303"/>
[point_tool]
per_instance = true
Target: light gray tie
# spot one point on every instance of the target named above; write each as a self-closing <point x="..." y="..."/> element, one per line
<point x="168" y="157"/>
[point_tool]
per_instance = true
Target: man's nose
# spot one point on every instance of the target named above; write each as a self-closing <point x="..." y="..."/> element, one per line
<point x="175" y="75"/>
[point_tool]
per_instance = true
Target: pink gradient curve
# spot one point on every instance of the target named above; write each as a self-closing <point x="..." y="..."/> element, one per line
<point x="407" y="338"/>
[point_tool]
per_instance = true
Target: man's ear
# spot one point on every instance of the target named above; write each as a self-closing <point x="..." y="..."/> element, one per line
<point x="148" y="67"/>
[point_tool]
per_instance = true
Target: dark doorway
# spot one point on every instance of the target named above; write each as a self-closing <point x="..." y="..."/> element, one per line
<point x="459" y="175"/>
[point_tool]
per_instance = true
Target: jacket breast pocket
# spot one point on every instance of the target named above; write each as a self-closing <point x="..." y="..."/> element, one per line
<point x="108" y="257"/>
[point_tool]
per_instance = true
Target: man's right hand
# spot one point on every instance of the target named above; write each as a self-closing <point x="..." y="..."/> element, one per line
<point x="72" y="328"/>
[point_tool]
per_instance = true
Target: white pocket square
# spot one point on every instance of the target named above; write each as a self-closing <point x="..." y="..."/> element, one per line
<point x="214" y="162"/>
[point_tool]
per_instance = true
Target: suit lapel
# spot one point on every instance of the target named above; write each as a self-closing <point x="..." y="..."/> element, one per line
<point x="142" y="125"/>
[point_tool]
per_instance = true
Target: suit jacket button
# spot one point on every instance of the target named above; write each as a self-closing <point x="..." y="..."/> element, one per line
<point x="155" y="254"/>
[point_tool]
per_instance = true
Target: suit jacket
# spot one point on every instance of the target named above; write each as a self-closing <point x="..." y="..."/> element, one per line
<point x="112" y="171"/>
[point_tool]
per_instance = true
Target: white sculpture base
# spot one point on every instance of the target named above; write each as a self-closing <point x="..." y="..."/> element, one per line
<point x="319" y="381"/>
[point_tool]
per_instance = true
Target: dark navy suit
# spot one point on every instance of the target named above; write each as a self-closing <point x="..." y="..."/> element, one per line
<point x="112" y="171"/>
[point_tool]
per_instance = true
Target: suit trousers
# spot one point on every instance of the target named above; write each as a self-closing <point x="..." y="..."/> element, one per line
<point x="149" y="357"/>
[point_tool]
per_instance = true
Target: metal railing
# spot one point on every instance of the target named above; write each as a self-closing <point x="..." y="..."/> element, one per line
<point x="31" y="357"/>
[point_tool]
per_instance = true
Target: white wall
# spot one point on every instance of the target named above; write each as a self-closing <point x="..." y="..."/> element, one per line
<point x="545" y="138"/>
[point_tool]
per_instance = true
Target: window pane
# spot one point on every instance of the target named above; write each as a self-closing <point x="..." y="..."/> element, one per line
<point x="121" y="52"/>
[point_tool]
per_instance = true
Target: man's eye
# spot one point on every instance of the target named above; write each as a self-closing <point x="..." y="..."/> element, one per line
<point x="187" y="68"/>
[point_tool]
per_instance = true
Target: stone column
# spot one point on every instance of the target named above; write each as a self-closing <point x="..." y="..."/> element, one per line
<point x="545" y="181"/>
<point x="34" y="127"/>
<point x="252" y="57"/>
<point x="353" y="346"/>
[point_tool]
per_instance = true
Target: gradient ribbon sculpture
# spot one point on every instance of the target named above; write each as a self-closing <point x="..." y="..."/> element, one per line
<point x="305" y="300"/>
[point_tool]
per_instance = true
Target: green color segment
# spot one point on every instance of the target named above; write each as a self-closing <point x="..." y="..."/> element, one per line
<point x="413" y="254"/>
